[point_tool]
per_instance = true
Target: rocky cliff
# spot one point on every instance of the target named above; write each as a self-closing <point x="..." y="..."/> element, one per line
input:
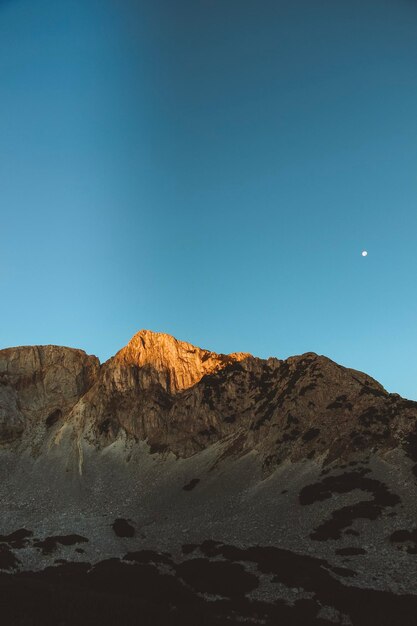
<point x="181" y="399"/>
<point x="40" y="385"/>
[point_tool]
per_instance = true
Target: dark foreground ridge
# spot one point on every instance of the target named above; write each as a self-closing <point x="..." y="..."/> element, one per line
<point x="154" y="590"/>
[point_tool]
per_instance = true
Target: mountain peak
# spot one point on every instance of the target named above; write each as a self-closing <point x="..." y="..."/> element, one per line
<point x="180" y="363"/>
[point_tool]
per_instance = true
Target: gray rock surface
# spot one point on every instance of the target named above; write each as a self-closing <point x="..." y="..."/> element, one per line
<point x="38" y="383"/>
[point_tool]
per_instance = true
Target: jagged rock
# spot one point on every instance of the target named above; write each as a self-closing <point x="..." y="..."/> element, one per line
<point x="182" y="399"/>
<point x="175" y="365"/>
<point x="39" y="384"/>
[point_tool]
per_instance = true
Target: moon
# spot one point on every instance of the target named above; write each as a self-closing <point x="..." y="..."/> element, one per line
<point x="364" y="253"/>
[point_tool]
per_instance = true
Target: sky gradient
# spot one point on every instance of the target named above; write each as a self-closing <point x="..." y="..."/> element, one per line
<point x="212" y="170"/>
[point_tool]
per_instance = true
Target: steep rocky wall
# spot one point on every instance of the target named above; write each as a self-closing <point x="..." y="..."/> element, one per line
<point x="175" y="365"/>
<point x="181" y="399"/>
<point x="41" y="383"/>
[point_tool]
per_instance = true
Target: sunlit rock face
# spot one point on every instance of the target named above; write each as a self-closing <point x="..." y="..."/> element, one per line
<point x="175" y="365"/>
<point x="150" y="390"/>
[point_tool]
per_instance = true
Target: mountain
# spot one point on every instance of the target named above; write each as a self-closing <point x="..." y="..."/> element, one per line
<point x="224" y="487"/>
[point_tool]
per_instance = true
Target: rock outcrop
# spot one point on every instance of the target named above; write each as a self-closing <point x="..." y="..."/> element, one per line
<point x="182" y="399"/>
<point x="175" y="365"/>
<point x="40" y="385"/>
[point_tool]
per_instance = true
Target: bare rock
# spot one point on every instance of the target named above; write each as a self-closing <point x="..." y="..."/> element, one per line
<point x="181" y="399"/>
<point x="175" y="365"/>
<point x="40" y="383"/>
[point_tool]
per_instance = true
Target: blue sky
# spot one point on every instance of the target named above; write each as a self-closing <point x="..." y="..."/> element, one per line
<point x="212" y="170"/>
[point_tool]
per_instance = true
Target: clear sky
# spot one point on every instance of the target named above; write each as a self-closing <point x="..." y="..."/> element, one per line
<point x="212" y="169"/>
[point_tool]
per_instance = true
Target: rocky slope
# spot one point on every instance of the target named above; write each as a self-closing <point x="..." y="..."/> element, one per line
<point x="183" y="462"/>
